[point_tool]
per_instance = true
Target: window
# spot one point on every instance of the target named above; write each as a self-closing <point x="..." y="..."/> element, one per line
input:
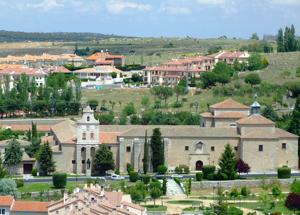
<point x="83" y="161"/>
<point x="260" y="148"/>
<point x="128" y="149"/>
<point x="109" y="147"/>
<point x="83" y="136"/>
<point x="73" y="162"/>
<point x="92" y="136"/>
<point x="235" y="148"/>
<point x="212" y="148"/>
<point x="283" y="146"/>
<point x="2" y="211"/>
<point x="88" y="119"/>
<point x="186" y="148"/>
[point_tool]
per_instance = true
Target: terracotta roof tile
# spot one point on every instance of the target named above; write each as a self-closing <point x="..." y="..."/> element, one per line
<point x="284" y="134"/>
<point x="255" y="119"/>
<point x="26" y="127"/>
<point x="229" y="104"/>
<point x="6" y="200"/>
<point x="30" y="206"/>
<point x="109" y="137"/>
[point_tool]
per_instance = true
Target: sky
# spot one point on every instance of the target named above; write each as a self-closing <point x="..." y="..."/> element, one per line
<point x="151" y="18"/>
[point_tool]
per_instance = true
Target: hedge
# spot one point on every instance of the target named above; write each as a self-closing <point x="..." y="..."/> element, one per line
<point x="162" y="169"/>
<point x="199" y="176"/>
<point x="34" y="172"/>
<point x="284" y="172"/>
<point x="133" y="176"/>
<point x="59" y="180"/>
<point x="146" y="179"/>
<point x="19" y="182"/>
<point x="207" y="170"/>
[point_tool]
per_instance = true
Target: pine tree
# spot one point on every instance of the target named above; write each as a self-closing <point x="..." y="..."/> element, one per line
<point x="45" y="160"/>
<point x="294" y="125"/>
<point x="157" y="149"/>
<point x="13" y="155"/>
<point x="227" y="163"/>
<point x="103" y="160"/>
<point x="34" y="133"/>
<point x="146" y="154"/>
<point x="280" y="42"/>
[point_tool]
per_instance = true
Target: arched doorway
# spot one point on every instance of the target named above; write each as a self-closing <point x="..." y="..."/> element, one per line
<point x="199" y="165"/>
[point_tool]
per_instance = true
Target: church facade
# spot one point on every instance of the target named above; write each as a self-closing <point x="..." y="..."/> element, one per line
<point x="255" y="139"/>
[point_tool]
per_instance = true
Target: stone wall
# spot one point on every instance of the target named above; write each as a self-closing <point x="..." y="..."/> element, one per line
<point x="239" y="183"/>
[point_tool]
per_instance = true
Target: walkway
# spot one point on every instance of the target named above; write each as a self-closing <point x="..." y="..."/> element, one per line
<point x="173" y="189"/>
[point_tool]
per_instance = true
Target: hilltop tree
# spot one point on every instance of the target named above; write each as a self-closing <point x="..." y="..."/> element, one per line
<point x="179" y="90"/>
<point x="146" y="154"/>
<point x="103" y="160"/>
<point x="157" y="147"/>
<point x="280" y="42"/>
<point x="252" y="79"/>
<point x="13" y="155"/>
<point x="45" y="160"/>
<point x="227" y="163"/>
<point x="254" y="36"/>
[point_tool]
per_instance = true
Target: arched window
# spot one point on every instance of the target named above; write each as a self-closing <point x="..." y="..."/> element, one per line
<point x="88" y="119"/>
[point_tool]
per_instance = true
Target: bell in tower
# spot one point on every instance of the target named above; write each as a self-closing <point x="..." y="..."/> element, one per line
<point x="255" y="107"/>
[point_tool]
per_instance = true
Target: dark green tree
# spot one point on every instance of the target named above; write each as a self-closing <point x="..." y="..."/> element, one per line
<point x="254" y="36"/>
<point x="294" y="125"/>
<point x="45" y="160"/>
<point x="146" y="154"/>
<point x="280" y="41"/>
<point x="179" y="90"/>
<point x="103" y="160"/>
<point x="252" y="79"/>
<point x="270" y="113"/>
<point x="164" y="186"/>
<point x="227" y="163"/>
<point x="157" y="147"/>
<point x="13" y="155"/>
<point x="3" y="171"/>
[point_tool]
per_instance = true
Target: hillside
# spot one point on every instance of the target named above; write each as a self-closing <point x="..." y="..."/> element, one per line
<point x="18" y="36"/>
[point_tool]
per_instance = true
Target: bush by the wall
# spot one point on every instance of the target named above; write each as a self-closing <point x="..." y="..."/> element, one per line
<point x="208" y="169"/>
<point x="199" y="176"/>
<point x="133" y="176"/>
<point x="234" y="211"/>
<point x="34" y="172"/>
<point x="182" y="169"/>
<point x="19" y="182"/>
<point x="162" y="169"/>
<point x="59" y="180"/>
<point x="284" y="172"/>
<point x="146" y="179"/>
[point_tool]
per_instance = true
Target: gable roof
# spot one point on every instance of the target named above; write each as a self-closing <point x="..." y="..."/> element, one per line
<point x="229" y="104"/>
<point x="29" y="206"/>
<point x="255" y="119"/>
<point x="6" y="200"/>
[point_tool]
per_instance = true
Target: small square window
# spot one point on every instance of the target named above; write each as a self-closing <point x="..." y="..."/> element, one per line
<point x="83" y="161"/>
<point x="283" y="146"/>
<point x="235" y="148"/>
<point x="186" y="148"/>
<point x="212" y="148"/>
<point x="260" y="148"/>
<point x="73" y="162"/>
<point x="109" y="147"/>
<point x="128" y="149"/>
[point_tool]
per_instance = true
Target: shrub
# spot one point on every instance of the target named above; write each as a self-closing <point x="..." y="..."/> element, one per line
<point x="242" y="167"/>
<point x="146" y="179"/>
<point x="133" y="176"/>
<point x="178" y="181"/>
<point x="129" y="168"/>
<point x="19" y="182"/>
<point x="211" y="176"/>
<point x="295" y="187"/>
<point x="234" y="211"/>
<point x="182" y="169"/>
<point x="162" y="169"/>
<point x="245" y="191"/>
<point x="292" y="201"/>
<point x="234" y="193"/>
<point x="276" y="191"/>
<point x="252" y="79"/>
<point x="59" y="180"/>
<point x="207" y="170"/>
<point x="8" y="187"/>
<point x="34" y="172"/>
<point x="284" y="172"/>
<point x="221" y="176"/>
<point x="199" y="176"/>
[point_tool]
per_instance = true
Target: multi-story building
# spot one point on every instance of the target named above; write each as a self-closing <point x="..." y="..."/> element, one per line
<point x="105" y="59"/>
<point x="172" y="72"/>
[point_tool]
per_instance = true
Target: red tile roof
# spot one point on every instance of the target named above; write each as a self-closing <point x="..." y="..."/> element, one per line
<point x="26" y="127"/>
<point x="255" y="119"/>
<point x="6" y="200"/>
<point x="229" y="104"/>
<point x="109" y="137"/>
<point x="30" y="206"/>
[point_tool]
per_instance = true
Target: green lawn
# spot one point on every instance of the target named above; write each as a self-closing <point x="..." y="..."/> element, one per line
<point x="155" y="208"/>
<point x="185" y="202"/>
<point x="38" y="187"/>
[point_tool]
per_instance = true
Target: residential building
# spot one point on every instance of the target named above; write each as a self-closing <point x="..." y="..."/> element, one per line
<point x="172" y="72"/>
<point x="10" y="206"/>
<point x="95" y="200"/>
<point x="105" y="59"/>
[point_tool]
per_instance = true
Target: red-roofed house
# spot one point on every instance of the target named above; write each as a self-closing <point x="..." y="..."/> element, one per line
<point x="105" y="58"/>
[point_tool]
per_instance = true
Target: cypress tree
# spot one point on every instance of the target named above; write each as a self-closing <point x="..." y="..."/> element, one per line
<point x="157" y="149"/>
<point x="280" y="42"/>
<point x="33" y="131"/>
<point x="146" y="154"/>
<point x="227" y="163"/>
<point x="294" y="125"/>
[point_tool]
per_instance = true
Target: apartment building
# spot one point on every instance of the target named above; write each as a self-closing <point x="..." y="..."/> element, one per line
<point x="172" y="72"/>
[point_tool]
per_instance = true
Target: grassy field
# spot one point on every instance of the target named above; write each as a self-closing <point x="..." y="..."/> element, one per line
<point x="38" y="187"/>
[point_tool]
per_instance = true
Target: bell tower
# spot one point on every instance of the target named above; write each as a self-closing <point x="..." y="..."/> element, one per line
<point x="87" y="135"/>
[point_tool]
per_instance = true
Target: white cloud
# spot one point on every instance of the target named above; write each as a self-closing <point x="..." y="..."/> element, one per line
<point x="119" y="6"/>
<point x="286" y="2"/>
<point x="212" y="2"/>
<point x="175" y="9"/>
<point x="45" y="4"/>
<point x="88" y="6"/>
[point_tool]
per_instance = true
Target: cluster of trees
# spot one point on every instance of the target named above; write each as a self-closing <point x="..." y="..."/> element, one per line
<point x="57" y="97"/>
<point x="258" y="47"/>
<point x="287" y="40"/>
